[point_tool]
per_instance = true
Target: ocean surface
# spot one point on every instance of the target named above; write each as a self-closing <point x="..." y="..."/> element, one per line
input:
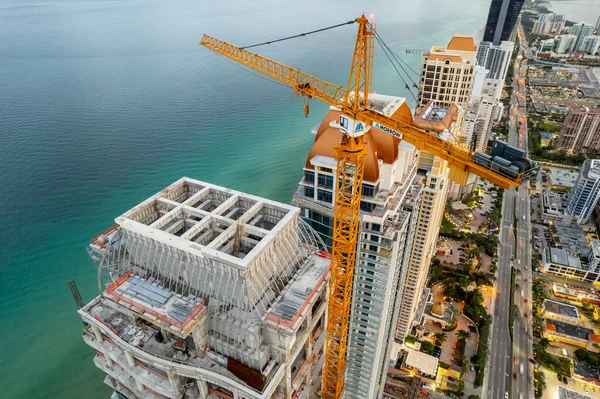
<point x="577" y="10"/>
<point x="103" y="103"/>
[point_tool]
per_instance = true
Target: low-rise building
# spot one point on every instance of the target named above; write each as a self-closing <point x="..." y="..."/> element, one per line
<point x="560" y="311"/>
<point x="421" y="363"/>
<point x="574" y="265"/>
<point x="567" y="333"/>
<point x="585" y="374"/>
<point x="552" y="209"/>
<point x="576" y="294"/>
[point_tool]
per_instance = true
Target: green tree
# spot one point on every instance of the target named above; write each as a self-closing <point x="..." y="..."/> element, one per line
<point x="440" y="338"/>
<point x="543" y="344"/>
<point x="588" y="307"/>
<point x="463" y="335"/>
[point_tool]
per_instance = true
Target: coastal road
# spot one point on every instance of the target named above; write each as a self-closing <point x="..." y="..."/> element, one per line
<point x="514" y="249"/>
<point x="522" y="345"/>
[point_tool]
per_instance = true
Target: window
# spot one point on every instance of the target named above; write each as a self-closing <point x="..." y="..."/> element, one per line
<point x="309" y="176"/>
<point x="324" y="196"/>
<point x="368" y="190"/>
<point x="375" y="227"/>
<point x="325" y="181"/>
<point x="326" y="170"/>
<point x="309" y="192"/>
<point x="366" y="206"/>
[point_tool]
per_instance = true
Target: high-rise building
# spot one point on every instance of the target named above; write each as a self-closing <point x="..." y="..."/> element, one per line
<point x="447" y="72"/>
<point x="208" y="292"/>
<point x="547" y="24"/>
<point x="597" y="27"/>
<point x="586" y="191"/>
<point x="390" y="182"/>
<point x="430" y="210"/>
<point x="502" y="20"/>
<point x="591" y="44"/>
<point x="495" y="58"/>
<point x="565" y="44"/>
<point x="580" y="132"/>
<point x="581" y="30"/>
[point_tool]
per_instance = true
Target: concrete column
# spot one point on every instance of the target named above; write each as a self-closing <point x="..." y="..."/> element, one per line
<point x="166" y="335"/>
<point x="109" y="361"/>
<point x="236" y="395"/>
<point x="130" y="359"/>
<point x="288" y="381"/>
<point x="175" y="381"/>
<point x="199" y="336"/>
<point x="202" y="388"/>
<point x="97" y="333"/>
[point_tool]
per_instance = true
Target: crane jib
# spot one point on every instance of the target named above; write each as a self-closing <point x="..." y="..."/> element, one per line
<point x="387" y="130"/>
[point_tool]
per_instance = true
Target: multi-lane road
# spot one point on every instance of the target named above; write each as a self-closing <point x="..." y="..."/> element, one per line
<point x="505" y="376"/>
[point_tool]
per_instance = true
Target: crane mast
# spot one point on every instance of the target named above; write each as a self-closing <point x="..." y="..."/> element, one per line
<point x="355" y="121"/>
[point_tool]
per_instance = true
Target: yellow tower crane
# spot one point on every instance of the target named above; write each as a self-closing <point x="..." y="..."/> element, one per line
<point x="355" y="120"/>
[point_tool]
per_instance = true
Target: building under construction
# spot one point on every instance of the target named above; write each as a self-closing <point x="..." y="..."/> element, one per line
<point x="206" y="292"/>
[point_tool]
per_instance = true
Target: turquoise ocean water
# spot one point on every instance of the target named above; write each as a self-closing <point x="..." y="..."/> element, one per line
<point x="103" y="103"/>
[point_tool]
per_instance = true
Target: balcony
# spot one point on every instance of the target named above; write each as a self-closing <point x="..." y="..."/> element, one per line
<point x="120" y="334"/>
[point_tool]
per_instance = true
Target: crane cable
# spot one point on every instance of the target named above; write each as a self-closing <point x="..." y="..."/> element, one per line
<point x="299" y="35"/>
<point x="386" y="49"/>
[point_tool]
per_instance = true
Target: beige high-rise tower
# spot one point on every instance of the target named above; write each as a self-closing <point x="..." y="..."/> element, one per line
<point x="447" y="73"/>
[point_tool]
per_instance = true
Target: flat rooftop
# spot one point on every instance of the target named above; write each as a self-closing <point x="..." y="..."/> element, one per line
<point x="563" y="257"/>
<point x="573" y="237"/>
<point x="569" y="329"/>
<point x="581" y="293"/>
<point x="204" y="218"/>
<point x="562" y="177"/>
<point x="561" y="309"/>
<point x="423" y="362"/>
<point x="290" y="305"/>
<point x="585" y="371"/>
<point x="152" y="301"/>
<point x="566" y="393"/>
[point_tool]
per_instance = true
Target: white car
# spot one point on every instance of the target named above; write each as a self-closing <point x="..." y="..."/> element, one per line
<point x="505" y="395"/>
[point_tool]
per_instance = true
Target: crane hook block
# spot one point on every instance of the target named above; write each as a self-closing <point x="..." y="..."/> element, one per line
<point x="306" y="110"/>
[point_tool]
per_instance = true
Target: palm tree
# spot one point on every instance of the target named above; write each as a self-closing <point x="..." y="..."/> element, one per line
<point x="544" y="343"/>
<point x="463" y="335"/>
<point x="440" y="338"/>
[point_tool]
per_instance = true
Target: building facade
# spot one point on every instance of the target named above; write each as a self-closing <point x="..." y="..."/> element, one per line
<point x="565" y="44"/>
<point x="580" y="132"/>
<point x="390" y="183"/>
<point x="590" y="45"/>
<point x="495" y="58"/>
<point x="586" y="192"/>
<point x="548" y="24"/>
<point x="208" y="292"/>
<point x="502" y="20"/>
<point x="581" y="30"/>
<point x="447" y="73"/>
<point x="429" y="209"/>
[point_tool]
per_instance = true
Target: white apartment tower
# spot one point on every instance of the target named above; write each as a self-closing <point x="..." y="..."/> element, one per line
<point x="384" y="242"/>
<point x="495" y="58"/>
<point x="565" y="44"/>
<point x="207" y="292"/>
<point x="447" y="73"/>
<point x="429" y="210"/>
<point x="586" y="192"/>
